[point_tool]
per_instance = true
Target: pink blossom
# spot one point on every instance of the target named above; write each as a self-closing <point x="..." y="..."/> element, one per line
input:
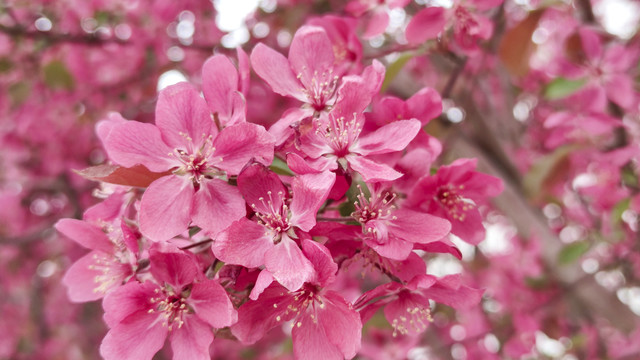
<point x="324" y="325"/>
<point x="270" y="238"/>
<point x="455" y="192"/>
<point x="179" y="304"/>
<point x="186" y="142"/>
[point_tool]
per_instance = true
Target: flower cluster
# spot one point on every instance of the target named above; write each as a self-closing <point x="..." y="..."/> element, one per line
<point x="247" y="229"/>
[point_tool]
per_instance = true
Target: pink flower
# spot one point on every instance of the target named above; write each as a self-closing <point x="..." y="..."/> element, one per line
<point x="308" y="75"/>
<point x="407" y="307"/>
<point x="454" y="193"/>
<point x="336" y="139"/>
<point x="179" y="304"/>
<point x="186" y="142"/>
<point x="392" y="232"/>
<point x="324" y="326"/>
<point x="270" y="238"/>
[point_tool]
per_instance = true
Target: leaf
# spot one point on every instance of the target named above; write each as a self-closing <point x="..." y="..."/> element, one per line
<point x="561" y="87"/>
<point x="618" y="209"/>
<point x="280" y="167"/>
<point x="546" y="171"/>
<point x="517" y="45"/>
<point x="573" y="252"/>
<point x="394" y="69"/>
<point x="19" y="92"/>
<point x="5" y="65"/>
<point x="57" y="76"/>
<point x="137" y="176"/>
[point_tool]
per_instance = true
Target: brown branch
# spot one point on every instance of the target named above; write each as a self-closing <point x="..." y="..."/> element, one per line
<point x="52" y="37"/>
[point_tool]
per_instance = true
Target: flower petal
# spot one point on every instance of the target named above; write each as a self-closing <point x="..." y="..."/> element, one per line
<point x="216" y="205"/>
<point x="238" y="144"/>
<point x="191" y="340"/>
<point x="220" y="86"/>
<point x="174" y="268"/>
<point x="311" y="55"/>
<point x="391" y="137"/>
<point x="84" y="279"/>
<point x="211" y="304"/>
<point x="183" y="118"/>
<point x="288" y="265"/>
<point x="165" y="207"/>
<point x="262" y="189"/>
<point x="132" y="143"/>
<point x="426" y="25"/>
<point x="418" y="227"/>
<point x="243" y="243"/>
<point x="274" y="68"/>
<point x="310" y="191"/>
<point x="372" y="171"/>
<point x="85" y="234"/>
<point x="137" y="337"/>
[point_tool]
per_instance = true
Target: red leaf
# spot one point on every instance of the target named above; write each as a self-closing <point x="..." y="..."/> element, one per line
<point x="138" y="176"/>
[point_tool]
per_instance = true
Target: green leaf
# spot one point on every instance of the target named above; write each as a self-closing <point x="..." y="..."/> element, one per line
<point x="561" y="87"/>
<point x="57" y="76"/>
<point x="19" y="92"/>
<point x="5" y="65"/>
<point x="618" y="209"/>
<point x="194" y="230"/>
<point x="280" y="167"/>
<point x="573" y="252"/>
<point x="394" y="69"/>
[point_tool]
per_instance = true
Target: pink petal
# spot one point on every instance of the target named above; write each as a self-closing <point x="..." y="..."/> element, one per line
<point x="183" y="118"/>
<point x="84" y="278"/>
<point x="137" y="337"/>
<point x="165" y="207"/>
<point x="274" y="68"/>
<point x="107" y="210"/>
<point x="126" y="300"/>
<point x="393" y="248"/>
<point x="425" y="105"/>
<point x="310" y="54"/>
<point x="264" y="280"/>
<point x="377" y="24"/>
<point x="132" y="143"/>
<point x="418" y="227"/>
<point x="238" y="144"/>
<point x="243" y="70"/>
<point x="310" y="342"/>
<point x="262" y="189"/>
<point x="460" y="297"/>
<point x="255" y="318"/>
<point x="620" y="90"/>
<point x="373" y="76"/>
<point x="353" y="98"/>
<point x="191" y="340"/>
<point x="104" y="127"/>
<point x="216" y="205"/>
<point x="320" y="257"/>
<point x="282" y="130"/>
<point x="288" y="265"/>
<point x="426" y="25"/>
<point x="220" y="84"/>
<point x="470" y="229"/>
<point x="174" y="268"/>
<point x="85" y="234"/>
<point x="211" y="304"/>
<point x="310" y="191"/>
<point x="372" y="171"/>
<point x="244" y="243"/>
<point x="591" y="44"/>
<point x="391" y="137"/>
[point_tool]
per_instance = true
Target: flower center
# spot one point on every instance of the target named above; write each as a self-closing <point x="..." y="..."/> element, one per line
<point x="172" y="307"/>
<point x="197" y="162"/>
<point x="455" y="205"/>
<point x="276" y="217"/>
<point x="377" y="206"/>
<point x="320" y="88"/>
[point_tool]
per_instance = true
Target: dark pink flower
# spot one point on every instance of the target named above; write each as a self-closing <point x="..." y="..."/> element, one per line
<point x="407" y="307"/>
<point x="336" y="140"/>
<point x="454" y="193"/>
<point x="324" y="326"/>
<point x="179" y="304"/>
<point x="186" y="142"/>
<point x="308" y="75"/>
<point x="270" y="238"/>
<point x="111" y="262"/>
<point x="392" y="232"/>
